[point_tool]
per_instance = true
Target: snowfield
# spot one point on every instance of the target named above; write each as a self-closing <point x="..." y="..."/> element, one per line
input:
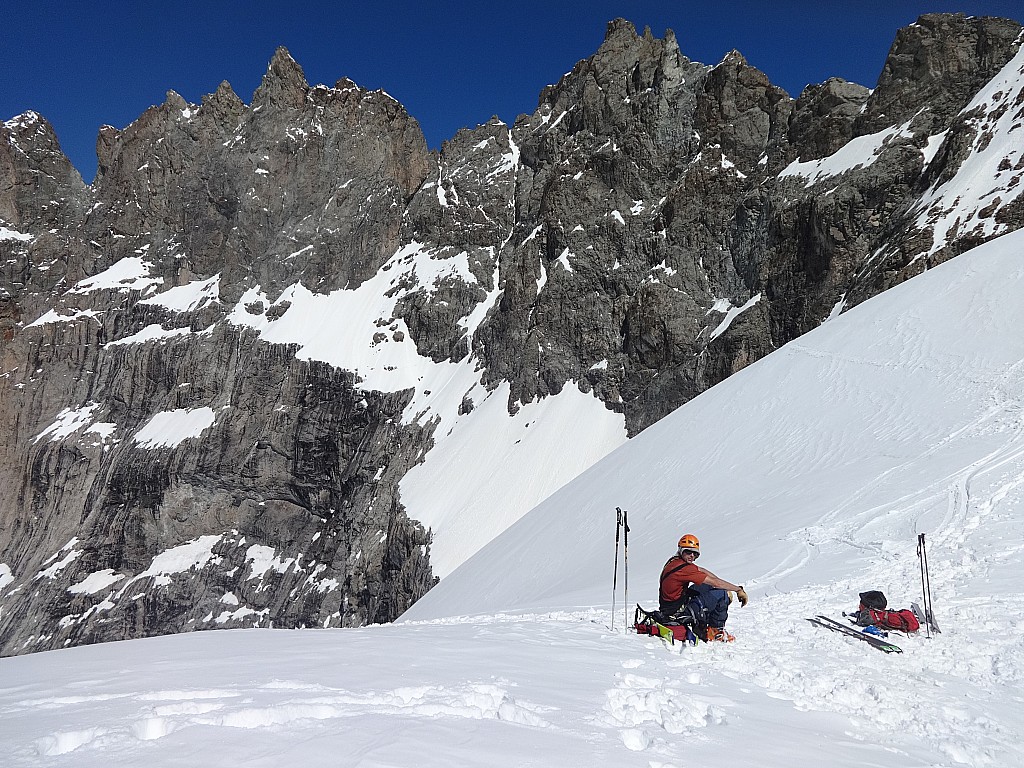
<point x="539" y="690"/>
<point x="807" y="476"/>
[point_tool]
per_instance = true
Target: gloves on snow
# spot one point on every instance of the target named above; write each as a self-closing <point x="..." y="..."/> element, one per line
<point x="741" y="595"/>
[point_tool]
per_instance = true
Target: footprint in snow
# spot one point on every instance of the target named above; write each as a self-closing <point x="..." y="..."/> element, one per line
<point x="638" y="704"/>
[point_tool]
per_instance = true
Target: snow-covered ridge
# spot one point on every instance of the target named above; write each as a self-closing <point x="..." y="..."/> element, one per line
<point x="128" y="274"/>
<point x="859" y="152"/>
<point x="989" y="178"/>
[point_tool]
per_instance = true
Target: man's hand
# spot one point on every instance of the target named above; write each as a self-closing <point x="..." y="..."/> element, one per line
<point x="741" y="595"/>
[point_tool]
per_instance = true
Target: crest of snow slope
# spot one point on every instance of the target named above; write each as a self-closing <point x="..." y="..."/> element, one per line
<point x="807" y="477"/>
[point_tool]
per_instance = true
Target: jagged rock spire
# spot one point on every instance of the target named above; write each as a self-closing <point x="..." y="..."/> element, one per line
<point x="223" y="104"/>
<point x="283" y="85"/>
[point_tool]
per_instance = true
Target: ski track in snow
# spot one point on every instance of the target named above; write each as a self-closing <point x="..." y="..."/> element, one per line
<point x="156" y="715"/>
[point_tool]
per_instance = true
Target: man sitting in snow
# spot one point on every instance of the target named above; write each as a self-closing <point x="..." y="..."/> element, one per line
<point x="694" y="596"/>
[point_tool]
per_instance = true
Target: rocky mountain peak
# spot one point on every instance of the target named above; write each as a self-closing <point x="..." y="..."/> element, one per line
<point x="936" y="65"/>
<point x="29" y="135"/>
<point x="625" y="53"/>
<point x="618" y="32"/>
<point x="824" y="116"/>
<point x="223" y="105"/>
<point x="37" y="181"/>
<point x="734" y="60"/>
<point x="284" y="84"/>
<point x="630" y="78"/>
<point x="28" y="121"/>
<point x="742" y="112"/>
<point x="174" y="100"/>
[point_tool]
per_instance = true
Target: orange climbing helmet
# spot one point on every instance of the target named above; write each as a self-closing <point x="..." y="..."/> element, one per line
<point x="690" y="542"/>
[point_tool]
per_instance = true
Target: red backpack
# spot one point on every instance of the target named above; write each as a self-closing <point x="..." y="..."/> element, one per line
<point x="873" y="612"/>
<point x="903" y="620"/>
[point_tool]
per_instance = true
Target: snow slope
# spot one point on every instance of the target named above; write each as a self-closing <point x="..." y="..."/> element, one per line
<point x="822" y="461"/>
<point x="807" y="477"/>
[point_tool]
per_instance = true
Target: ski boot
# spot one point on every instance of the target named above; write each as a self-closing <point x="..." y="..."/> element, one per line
<point x="718" y="635"/>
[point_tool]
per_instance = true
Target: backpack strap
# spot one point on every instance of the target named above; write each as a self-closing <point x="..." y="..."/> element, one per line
<point x="669" y="573"/>
<point x="673" y="606"/>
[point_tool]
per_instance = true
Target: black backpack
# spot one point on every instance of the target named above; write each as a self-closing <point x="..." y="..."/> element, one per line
<point x="873" y="599"/>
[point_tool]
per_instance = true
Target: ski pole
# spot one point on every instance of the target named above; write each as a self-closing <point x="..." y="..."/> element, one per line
<point x="924" y="592"/>
<point x="625" y="568"/>
<point x="930" y="614"/>
<point x="615" y="574"/>
<point x="929" y="611"/>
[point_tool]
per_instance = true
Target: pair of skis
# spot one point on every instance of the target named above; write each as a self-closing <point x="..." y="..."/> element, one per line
<point x="873" y="640"/>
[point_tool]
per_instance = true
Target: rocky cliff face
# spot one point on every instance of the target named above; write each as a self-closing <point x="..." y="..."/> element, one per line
<point x="221" y="361"/>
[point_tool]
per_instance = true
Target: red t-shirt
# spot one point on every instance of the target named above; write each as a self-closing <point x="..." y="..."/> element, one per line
<point x="675" y="578"/>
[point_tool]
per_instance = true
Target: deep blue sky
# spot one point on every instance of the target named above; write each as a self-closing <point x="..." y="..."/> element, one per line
<point x="452" y="64"/>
